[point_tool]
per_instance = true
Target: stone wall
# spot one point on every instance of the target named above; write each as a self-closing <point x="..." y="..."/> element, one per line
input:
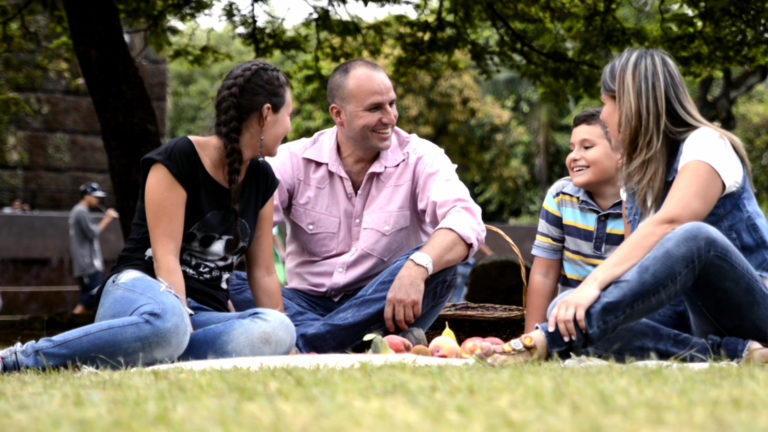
<point x="46" y="155"/>
<point x="35" y="263"/>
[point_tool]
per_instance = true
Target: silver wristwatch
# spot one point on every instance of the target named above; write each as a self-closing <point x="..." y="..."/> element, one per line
<point x="423" y="260"/>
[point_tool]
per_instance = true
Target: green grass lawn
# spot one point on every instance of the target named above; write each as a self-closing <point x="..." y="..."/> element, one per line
<point x="395" y="398"/>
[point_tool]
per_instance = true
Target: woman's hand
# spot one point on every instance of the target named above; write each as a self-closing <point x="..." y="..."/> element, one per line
<point x="573" y="307"/>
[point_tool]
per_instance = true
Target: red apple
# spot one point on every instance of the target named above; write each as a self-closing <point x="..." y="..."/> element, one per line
<point x="470" y="346"/>
<point x="398" y="344"/>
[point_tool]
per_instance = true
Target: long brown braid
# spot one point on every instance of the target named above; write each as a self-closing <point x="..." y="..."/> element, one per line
<point x="244" y="92"/>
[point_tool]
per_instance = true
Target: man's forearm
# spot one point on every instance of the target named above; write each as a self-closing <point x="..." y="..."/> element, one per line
<point x="446" y="248"/>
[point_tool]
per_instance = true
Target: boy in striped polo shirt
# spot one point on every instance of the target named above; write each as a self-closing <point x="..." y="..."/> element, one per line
<point x="581" y="220"/>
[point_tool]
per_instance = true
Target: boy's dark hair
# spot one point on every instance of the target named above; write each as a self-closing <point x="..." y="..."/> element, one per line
<point x="591" y="117"/>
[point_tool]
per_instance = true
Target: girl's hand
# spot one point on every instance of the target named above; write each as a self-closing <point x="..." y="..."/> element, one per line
<point x="573" y="306"/>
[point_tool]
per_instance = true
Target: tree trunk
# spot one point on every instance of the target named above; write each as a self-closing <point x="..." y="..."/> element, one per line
<point x="128" y="122"/>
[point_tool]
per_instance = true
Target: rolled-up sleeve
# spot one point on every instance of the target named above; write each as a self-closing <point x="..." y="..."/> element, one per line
<point x="444" y="200"/>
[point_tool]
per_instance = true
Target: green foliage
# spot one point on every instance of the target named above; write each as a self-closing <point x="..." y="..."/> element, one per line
<point x="34" y="53"/>
<point x="489" y="143"/>
<point x="752" y="114"/>
<point x="494" y="82"/>
<point x="193" y="86"/>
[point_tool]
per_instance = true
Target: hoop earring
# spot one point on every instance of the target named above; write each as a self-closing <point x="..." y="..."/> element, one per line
<point x="261" y="148"/>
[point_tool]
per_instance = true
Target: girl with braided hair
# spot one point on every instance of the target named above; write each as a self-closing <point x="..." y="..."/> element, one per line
<point x="205" y="203"/>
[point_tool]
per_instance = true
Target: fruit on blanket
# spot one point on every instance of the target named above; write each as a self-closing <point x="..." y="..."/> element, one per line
<point x="493" y="340"/>
<point x="470" y="346"/>
<point x="398" y="344"/>
<point x="378" y="345"/>
<point x="444" y="346"/>
<point x="448" y="332"/>
<point x="477" y="345"/>
<point x="421" y="350"/>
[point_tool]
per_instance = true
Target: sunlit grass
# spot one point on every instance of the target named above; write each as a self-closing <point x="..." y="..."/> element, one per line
<point x="390" y="398"/>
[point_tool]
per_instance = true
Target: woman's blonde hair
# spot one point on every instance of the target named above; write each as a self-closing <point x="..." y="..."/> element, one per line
<point x="655" y="114"/>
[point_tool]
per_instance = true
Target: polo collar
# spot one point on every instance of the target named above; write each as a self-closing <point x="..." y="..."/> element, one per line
<point x="586" y="200"/>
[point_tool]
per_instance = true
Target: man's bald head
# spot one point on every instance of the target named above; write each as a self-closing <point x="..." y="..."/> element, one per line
<point x="337" y="82"/>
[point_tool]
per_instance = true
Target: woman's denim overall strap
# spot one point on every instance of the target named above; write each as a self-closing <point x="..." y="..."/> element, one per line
<point x="737" y="215"/>
<point x="674" y="315"/>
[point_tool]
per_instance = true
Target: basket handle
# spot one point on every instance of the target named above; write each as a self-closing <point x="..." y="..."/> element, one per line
<point x="520" y="259"/>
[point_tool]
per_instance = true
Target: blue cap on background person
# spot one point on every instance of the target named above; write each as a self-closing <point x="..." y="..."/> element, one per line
<point x="92" y="188"/>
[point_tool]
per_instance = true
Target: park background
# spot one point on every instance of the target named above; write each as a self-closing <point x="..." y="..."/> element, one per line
<point x="87" y="89"/>
<point x="495" y="83"/>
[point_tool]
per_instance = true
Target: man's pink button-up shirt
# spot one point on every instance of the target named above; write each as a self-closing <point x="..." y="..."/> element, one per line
<point x="336" y="240"/>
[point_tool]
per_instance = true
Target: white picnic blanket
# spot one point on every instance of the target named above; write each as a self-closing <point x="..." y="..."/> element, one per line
<point x="310" y="361"/>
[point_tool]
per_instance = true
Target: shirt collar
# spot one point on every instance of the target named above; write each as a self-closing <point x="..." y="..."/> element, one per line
<point x="324" y="150"/>
<point x="586" y="200"/>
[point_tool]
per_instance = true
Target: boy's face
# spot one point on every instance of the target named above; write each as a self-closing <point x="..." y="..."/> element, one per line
<point x="592" y="163"/>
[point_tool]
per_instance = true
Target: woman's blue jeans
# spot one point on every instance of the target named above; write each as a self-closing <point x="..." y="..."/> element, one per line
<point x="324" y="325"/>
<point x="141" y="321"/>
<point x="726" y="300"/>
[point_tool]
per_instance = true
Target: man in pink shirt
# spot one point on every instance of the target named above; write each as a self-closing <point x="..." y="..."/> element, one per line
<point x="376" y="220"/>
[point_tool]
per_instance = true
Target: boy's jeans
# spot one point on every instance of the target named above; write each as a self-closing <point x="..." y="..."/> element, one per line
<point x="324" y="325"/>
<point x="140" y="321"/>
<point x="726" y="299"/>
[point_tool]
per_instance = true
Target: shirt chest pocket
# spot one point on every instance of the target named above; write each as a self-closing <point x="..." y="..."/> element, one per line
<point x="385" y="236"/>
<point x="316" y="232"/>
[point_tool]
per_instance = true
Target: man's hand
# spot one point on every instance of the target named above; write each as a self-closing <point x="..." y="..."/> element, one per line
<point x="405" y="296"/>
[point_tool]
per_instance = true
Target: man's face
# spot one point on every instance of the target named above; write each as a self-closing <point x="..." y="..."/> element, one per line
<point x="367" y="113"/>
<point x="92" y="201"/>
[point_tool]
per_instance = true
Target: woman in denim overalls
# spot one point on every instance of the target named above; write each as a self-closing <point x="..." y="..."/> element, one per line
<point x="699" y="239"/>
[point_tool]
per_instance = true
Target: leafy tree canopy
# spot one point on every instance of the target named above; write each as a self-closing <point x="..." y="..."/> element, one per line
<point x="552" y="51"/>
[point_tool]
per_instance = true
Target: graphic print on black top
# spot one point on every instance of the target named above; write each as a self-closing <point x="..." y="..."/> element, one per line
<point x="209" y="225"/>
<point x="204" y="253"/>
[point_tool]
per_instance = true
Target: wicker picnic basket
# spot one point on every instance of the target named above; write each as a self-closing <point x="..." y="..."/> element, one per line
<point x="468" y="319"/>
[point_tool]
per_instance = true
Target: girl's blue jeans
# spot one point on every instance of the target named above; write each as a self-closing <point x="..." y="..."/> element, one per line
<point x="141" y="321"/>
<point x="725" y="298"/>
<point x="324" y="325"/>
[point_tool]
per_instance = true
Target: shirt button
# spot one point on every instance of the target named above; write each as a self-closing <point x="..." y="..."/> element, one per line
<point x="310" y="227"/>
<point x="349" y="195"/>
<point x="357" y="221"/>
<point x="340" y="269"/>
<point x="386" y="227"/>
